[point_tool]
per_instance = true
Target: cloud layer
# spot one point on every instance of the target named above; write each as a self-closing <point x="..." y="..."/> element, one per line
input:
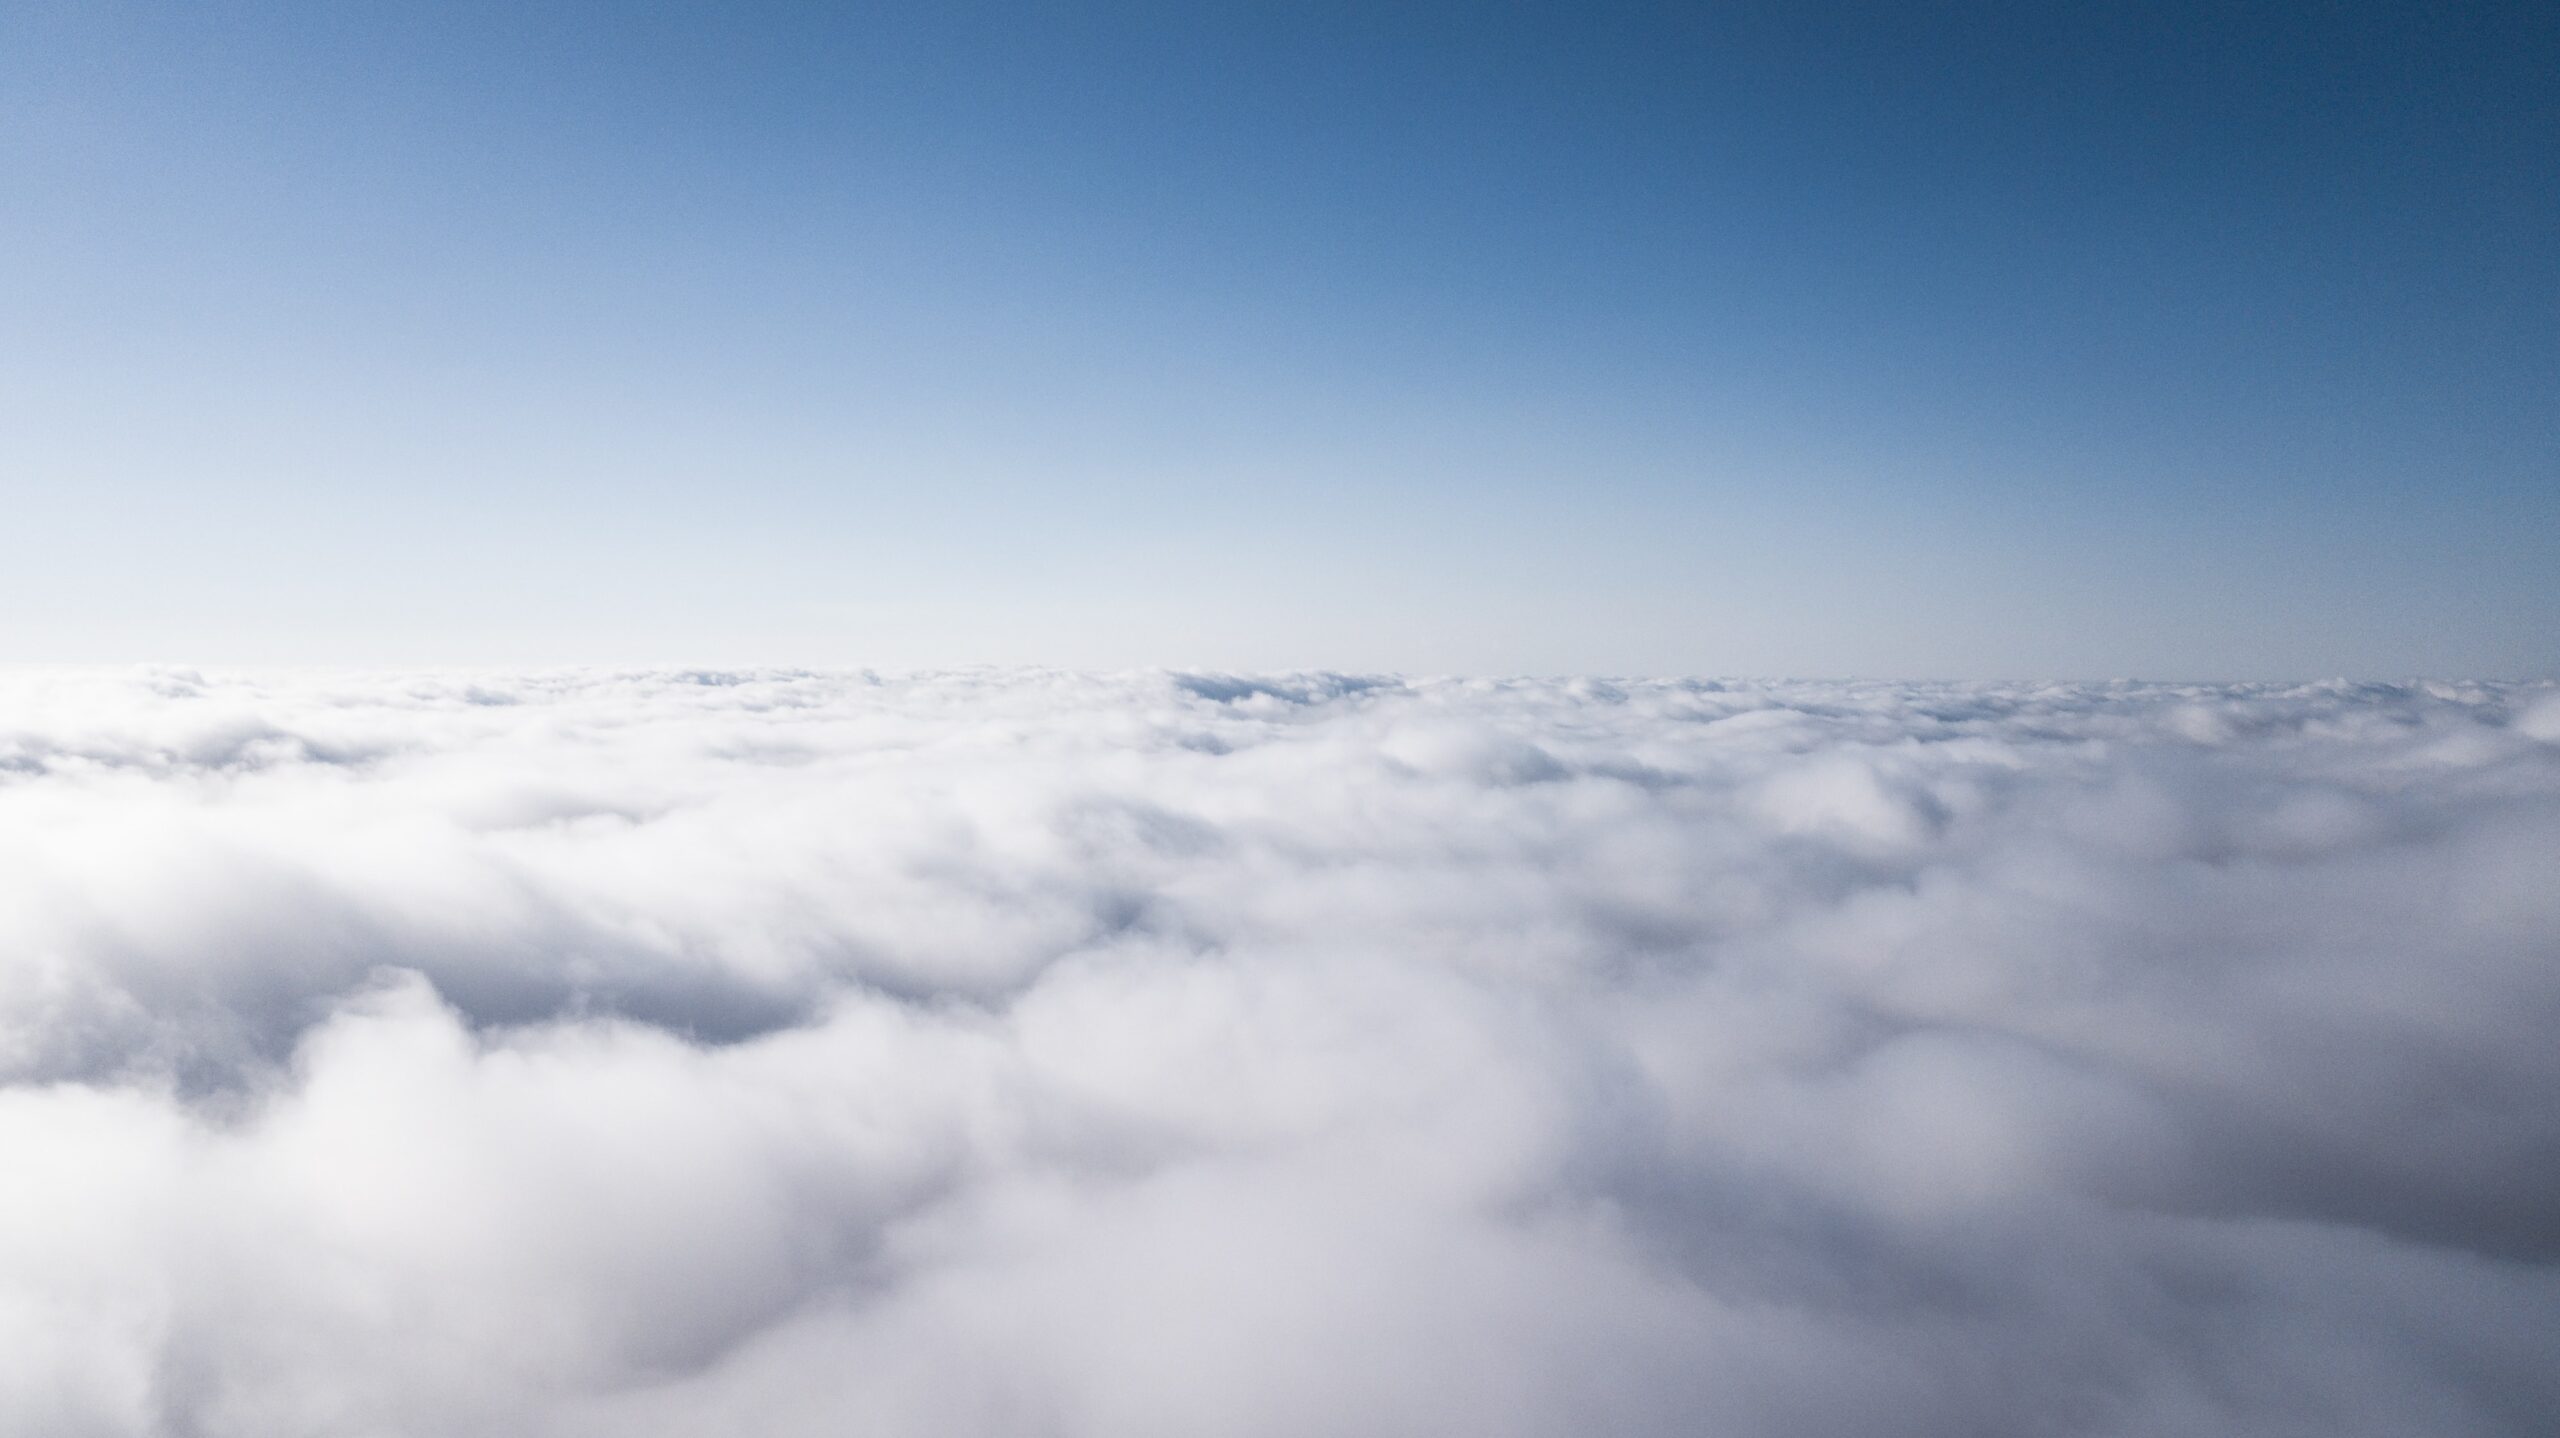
<point x="1045" y="1053"/>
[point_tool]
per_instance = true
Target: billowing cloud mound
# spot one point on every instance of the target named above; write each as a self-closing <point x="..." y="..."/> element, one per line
<point x="788" y="1054"/>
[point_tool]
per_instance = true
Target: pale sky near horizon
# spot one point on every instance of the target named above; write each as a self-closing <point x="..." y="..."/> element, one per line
<point x="2005" y="340"/>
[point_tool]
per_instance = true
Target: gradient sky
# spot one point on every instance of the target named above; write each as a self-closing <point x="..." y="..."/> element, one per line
<point x="2169" y="341"/>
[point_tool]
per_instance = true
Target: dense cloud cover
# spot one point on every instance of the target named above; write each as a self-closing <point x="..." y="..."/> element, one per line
<point x="1039" y="1053"/>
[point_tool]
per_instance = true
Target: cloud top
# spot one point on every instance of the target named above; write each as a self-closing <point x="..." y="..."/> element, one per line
<point x="1017" y="1052"/>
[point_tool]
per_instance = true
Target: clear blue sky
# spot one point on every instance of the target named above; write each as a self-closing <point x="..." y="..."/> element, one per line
<point x="2181" y="341"/>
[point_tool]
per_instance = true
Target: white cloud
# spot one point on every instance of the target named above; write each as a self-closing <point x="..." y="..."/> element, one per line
<point x="1024" y="1052"/>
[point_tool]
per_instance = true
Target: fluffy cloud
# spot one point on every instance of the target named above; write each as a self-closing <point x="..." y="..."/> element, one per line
<point x="1003" y="1053"/>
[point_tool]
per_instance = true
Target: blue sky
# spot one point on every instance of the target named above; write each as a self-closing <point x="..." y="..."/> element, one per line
<point x="2211" y="341"/>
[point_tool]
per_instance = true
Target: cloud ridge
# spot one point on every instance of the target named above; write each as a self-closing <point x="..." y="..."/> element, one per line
<point x="1018" y="1051"/>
